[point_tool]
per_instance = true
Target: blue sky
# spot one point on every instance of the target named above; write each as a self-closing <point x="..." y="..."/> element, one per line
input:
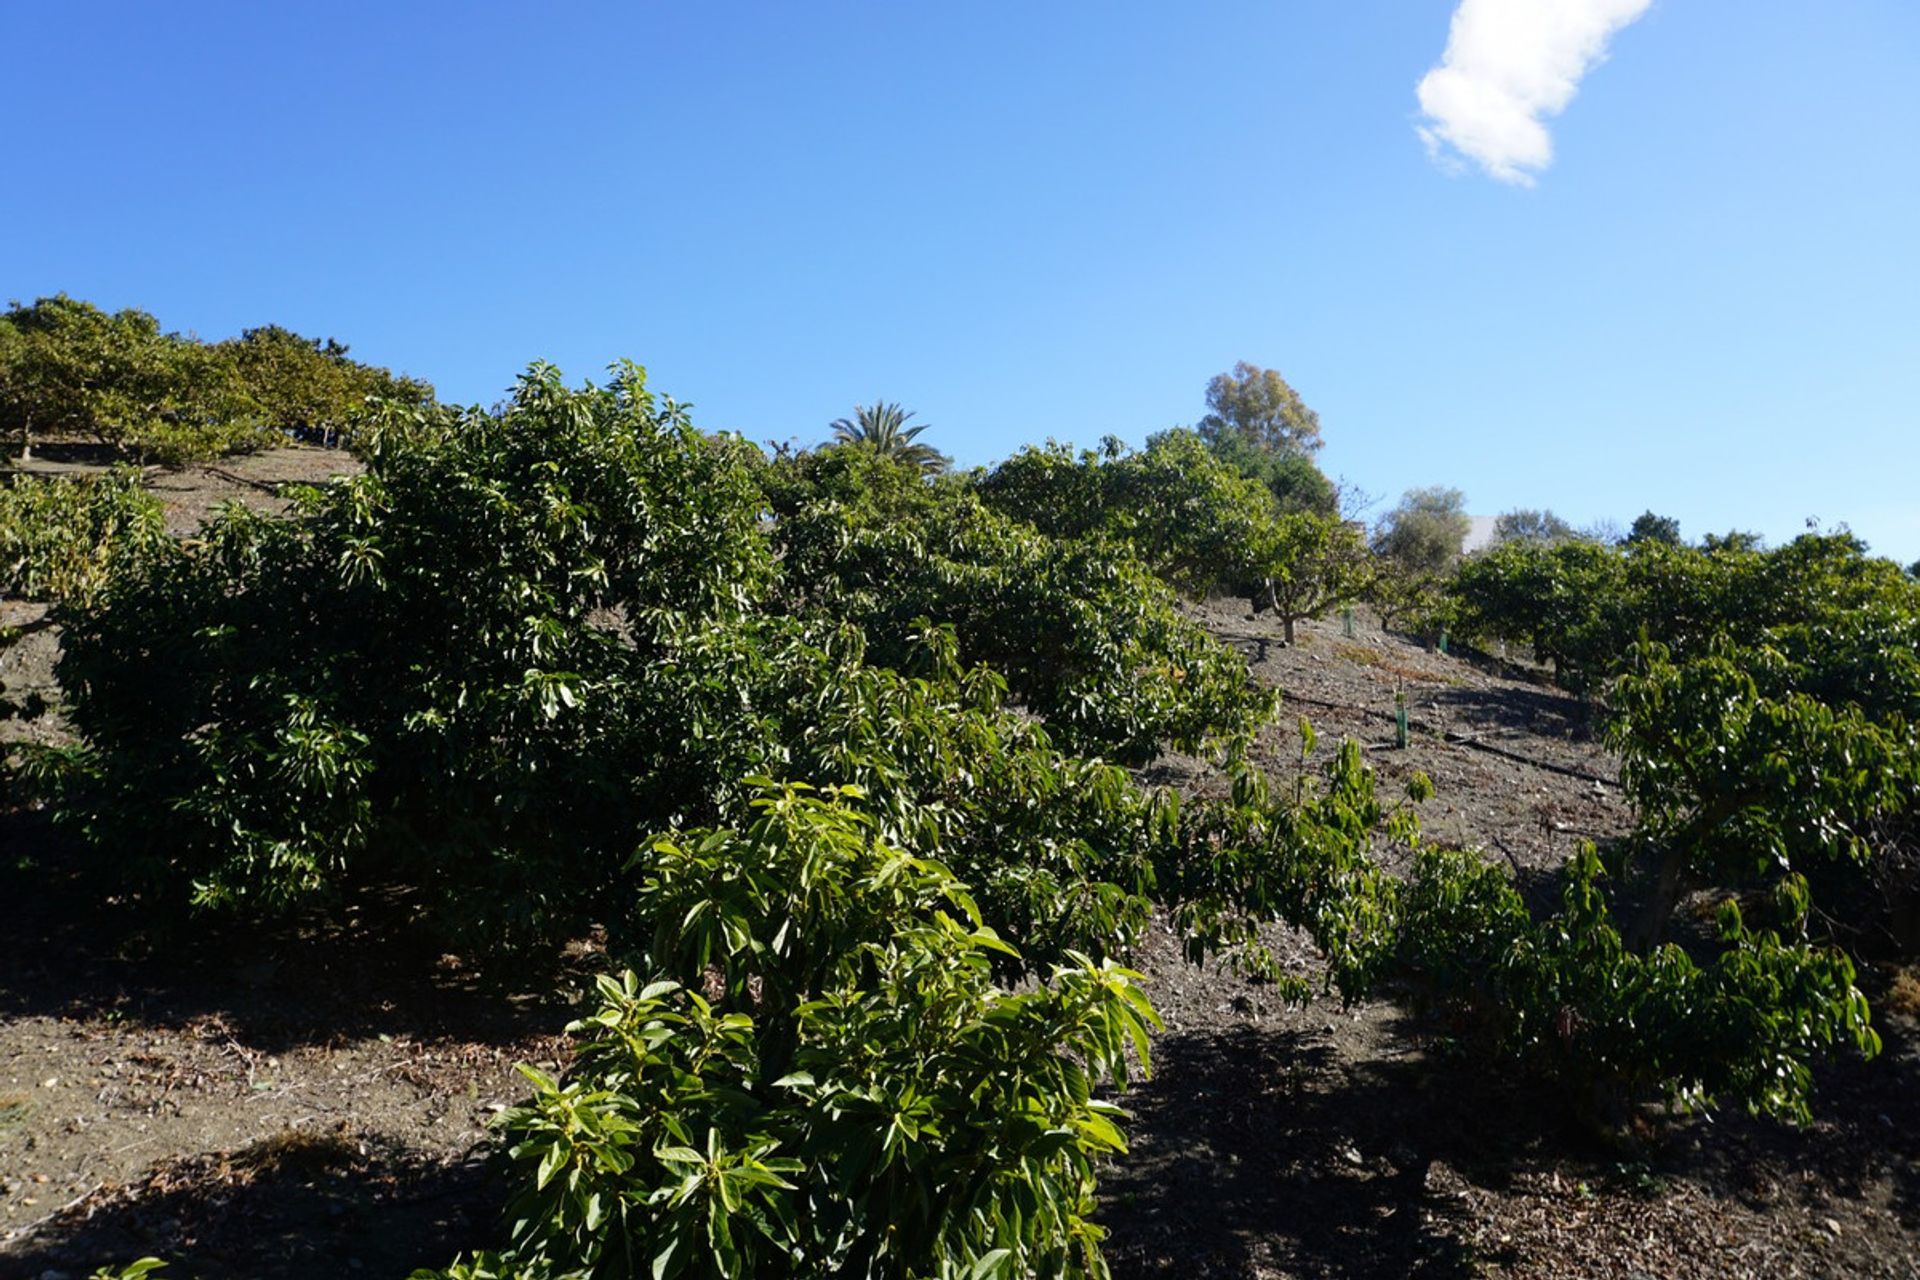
<point x="1035" y="220"/>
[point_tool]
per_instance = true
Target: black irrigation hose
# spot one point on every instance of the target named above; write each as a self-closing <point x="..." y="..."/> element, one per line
<point x="1517" y="758"/>
<point x="264" y="486"/>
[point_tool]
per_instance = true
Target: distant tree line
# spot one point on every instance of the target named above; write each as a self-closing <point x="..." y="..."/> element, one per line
<point x="69" y="368"/>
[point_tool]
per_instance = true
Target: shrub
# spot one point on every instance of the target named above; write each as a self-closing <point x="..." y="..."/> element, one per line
<point x="428" y="672"/>
<point x="1582" y="606"/>
<point x="521" y="639"/>
<point x="1302" y="857"/>
<point x="1084" y="636"/>
<point x="63" y="539"/>
<point x="822" y="1078"/>
<point x="1569" y="994"/>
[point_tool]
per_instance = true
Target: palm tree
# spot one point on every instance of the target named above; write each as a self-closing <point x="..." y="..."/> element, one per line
<point x="883" y="428"/>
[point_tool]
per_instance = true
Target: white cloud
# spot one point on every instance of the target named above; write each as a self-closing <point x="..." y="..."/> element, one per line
<point x="1509" y="66"/>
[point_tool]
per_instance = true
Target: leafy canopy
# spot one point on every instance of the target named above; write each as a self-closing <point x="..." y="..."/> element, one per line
<point x="1648" y="527"/>
<point x="1425" y="532"/>
<point x="69" y="368"/>
<point x="1256" y="407"/>
<point x="1525" y="525"/>
<point x="818" y="1076"/>
<point x="1193" y="518"/>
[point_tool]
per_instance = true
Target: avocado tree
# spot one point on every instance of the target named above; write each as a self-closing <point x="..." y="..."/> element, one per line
<point x="1071" y="624"/>
<point x="310" y="389"/>
<point x="71" y="368"/>
<point x="64" y="539"/>
<point x="812" y="1072"/>
<point x="397" y="677"/>
<point x="1313" y="563"/>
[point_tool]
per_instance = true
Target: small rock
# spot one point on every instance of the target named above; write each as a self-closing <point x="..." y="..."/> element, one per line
<point x="1443" y="1183"/>
<point x="1832" y="1226"/>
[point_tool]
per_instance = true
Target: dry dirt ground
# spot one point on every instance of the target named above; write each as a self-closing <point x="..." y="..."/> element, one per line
<point x="191" y="492"/>
<point x="312" y="1100"/>
<point x="1356" y="1142"/>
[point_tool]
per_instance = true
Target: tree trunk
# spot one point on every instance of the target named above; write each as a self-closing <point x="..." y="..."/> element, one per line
<point x="1651" y="928"/>
<point x="1673" y="882"/>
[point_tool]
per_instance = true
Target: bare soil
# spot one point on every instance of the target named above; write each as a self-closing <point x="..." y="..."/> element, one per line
<point x="312" y="1100"/>
<point x="295" y="1102"/>
<point x="191" y="492"/>
<point x="1333" y="1141"/>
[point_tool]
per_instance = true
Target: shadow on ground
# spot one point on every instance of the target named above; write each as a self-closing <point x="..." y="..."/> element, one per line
<point x="1267" y="1151"/>
<point x="1865" y="1132"/>
<point x="75" y="453"/>
<point x="1538" y="712"/>
<point x="68" y="948"/>
<point x="1275" y="1151"/>
<point x="307" y="1214"/>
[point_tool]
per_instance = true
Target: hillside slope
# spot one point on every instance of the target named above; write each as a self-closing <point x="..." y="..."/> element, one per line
<point x="1329" y="1141"/>
<point x="295" y="1101"/>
